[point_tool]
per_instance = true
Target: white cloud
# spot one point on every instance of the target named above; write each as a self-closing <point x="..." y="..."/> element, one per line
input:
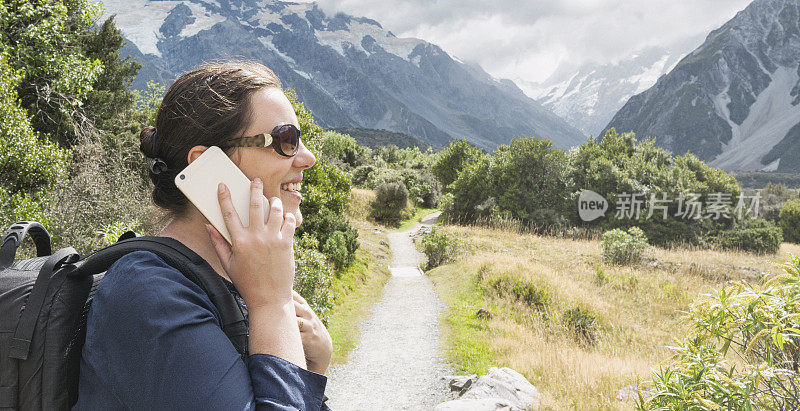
<point x="529" y="39"/>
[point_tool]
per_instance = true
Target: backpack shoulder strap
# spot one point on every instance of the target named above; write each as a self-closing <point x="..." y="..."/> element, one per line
<point x="23" y="335"/>
<point x="194" y="267"/>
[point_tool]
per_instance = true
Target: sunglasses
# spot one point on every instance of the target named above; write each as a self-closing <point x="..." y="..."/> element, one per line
<point x="284" y="138"/>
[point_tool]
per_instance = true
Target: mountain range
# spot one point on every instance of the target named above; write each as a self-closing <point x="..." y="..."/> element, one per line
<point x="588" y="96"/>
<point x="348" y="71"/>
<point x="735" y="100"/>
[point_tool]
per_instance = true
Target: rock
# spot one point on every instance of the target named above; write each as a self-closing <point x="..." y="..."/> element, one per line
<point x="630" y="394"/>
<point x="507" y="384"/>
<point x="461" y="382"/>
<point x="483" y="313"/>
<point x="478" y="404"/>
<point x="384" y="243"/>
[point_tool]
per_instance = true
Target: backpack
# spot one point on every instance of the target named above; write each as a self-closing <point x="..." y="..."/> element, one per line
<point x="44" y="302"/>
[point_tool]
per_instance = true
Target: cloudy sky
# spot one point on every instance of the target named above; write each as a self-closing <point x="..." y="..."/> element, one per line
<point x="528" y="40"/>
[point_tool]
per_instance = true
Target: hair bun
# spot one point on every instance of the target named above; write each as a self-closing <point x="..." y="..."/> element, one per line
<point x="146" y="141"/>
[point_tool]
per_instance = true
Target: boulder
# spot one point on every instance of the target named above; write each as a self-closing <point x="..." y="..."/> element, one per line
<point x="507" y="384"/>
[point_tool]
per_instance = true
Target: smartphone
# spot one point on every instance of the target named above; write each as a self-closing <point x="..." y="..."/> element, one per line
<point x="199" y="182"/>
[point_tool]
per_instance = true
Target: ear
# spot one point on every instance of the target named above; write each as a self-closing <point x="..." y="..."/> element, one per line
<point x="195" y="152"/>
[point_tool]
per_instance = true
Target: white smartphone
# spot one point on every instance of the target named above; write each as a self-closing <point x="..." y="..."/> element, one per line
<point x="199" y="182"/>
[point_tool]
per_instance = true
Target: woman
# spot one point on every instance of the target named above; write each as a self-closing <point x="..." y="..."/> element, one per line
<point x="153" y="337"/>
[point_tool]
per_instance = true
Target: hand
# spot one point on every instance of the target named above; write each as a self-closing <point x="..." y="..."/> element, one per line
<point x="260" y="260"/>
<point x="317" y="343"/>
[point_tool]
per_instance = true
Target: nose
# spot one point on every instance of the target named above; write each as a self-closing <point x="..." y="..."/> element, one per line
<point x="304" y="158"/>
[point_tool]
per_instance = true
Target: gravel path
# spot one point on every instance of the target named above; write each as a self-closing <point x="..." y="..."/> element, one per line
<point x="397" y="364"/>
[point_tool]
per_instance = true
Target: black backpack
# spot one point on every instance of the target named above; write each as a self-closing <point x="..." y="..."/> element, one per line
<point x="44" y="302"/>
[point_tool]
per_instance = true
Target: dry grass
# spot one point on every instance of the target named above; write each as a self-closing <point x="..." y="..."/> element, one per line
<point x="638" y="309"/>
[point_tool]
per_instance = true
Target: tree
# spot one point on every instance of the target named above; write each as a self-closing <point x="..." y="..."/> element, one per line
<point x="457" y="156"/>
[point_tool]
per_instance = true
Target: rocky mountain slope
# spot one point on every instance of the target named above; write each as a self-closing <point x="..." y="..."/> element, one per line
<point x="349" y="71"/>
<point x="734" y="101"/>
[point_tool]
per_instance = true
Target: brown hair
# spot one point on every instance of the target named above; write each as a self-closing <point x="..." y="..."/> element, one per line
<point x="205" y="106"/>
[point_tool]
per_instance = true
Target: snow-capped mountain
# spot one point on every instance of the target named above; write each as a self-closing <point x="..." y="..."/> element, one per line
<point x="735" y="100"/>
<point x="589" y="96"/>
<point x="349" y="71"/>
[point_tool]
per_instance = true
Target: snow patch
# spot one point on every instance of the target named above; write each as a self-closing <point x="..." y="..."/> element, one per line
<point x="140" y="20"/>
<point x="773" y="166"/>
<point x="770" y="118"/>
<point x="356" y="32"/>
<point x="267" y="42"/>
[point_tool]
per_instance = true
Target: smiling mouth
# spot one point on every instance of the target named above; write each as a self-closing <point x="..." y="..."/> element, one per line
<point x="292" y="189"/>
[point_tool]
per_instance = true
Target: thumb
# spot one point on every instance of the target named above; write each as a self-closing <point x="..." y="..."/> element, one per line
<point x="221" y="245"/>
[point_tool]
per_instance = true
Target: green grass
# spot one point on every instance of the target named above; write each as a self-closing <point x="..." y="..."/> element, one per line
<point x="466" y="334"/>
<point x="418" y="214"/>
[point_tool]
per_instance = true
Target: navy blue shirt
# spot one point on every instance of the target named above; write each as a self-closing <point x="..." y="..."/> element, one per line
<point x="153" y="341"/>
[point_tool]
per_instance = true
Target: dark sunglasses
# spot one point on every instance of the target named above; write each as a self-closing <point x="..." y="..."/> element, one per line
<point x="285" y="138"/>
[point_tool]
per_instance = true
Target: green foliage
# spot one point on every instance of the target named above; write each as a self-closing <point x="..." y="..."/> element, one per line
<point x="621" y="247"/>
<point x="582" y="324"/>
<point x="391" y="200"/>
<point x="526" y="180"/>
<point x="109" y="234"/>
<point x="741" y="352"/>
<point x="361" y="175"/>
<point x="326" y="193"/>
<point x="757" y="236"/>
<point x="453" y="159"/>
<point x="440" y="247"/>
<point x="47" y="40"/>
<point x="373" y="138"/>
<point x="342" y="149"/>
<point x="617" y="165"/>
<point x="423" y="189"/>
<point x="313" y="277"/>
<point x="27" y="166"/>
<point x="790" y="221"/>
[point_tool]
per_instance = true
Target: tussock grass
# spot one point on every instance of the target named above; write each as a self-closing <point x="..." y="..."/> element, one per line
<point x="634" y="311"/>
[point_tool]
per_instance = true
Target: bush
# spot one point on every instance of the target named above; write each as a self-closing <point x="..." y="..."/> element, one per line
<point x="440" y="247"/>
<point x="423" y="189"/>
<point x="341" y="149"/>
<point x="453" y="159"/>
<point x="741" y="351"/>
<point x="582" y="324"/>
<point x="790" y="221"/>
<point x="620" y="247"/>
<point x="361" y="175"/>
<point x="312" y="279"/>
<point x="756" y="236"/>
<point x="391" y="200"/>
<point x="534" y="297"/>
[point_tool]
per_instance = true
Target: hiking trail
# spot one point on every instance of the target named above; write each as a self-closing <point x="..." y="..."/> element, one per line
<point x="397" y="364"/>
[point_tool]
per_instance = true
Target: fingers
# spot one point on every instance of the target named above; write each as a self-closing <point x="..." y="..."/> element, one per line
<point x="229" y="214"/>
<point x="275" y="218"/>
<point x="299" y="298"/>
<point x="221" y="245"/>
<point x="256" y="204"/>
<point x="289" y="225"/>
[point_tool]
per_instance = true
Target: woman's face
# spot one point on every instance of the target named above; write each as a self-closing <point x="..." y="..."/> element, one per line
<point x="270" y="107"/>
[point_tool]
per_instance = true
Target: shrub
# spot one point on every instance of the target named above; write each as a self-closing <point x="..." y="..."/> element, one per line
<point x="741" y="351"/>
<point x="790" y="221"/>
<point x="391" y="200"/>
<point x="620" y="247"/>
<point x="756" y="236"/>
<point x="440" y="247"/>
<point x="455" y="157"/>
<point x="423" y="189"/>
<point x="583" y="325"/>
<point x="361" y="175"/>
<point x="521" y="290"/>
<point x="312" y="279"/>
<point x="341" y="149"/>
